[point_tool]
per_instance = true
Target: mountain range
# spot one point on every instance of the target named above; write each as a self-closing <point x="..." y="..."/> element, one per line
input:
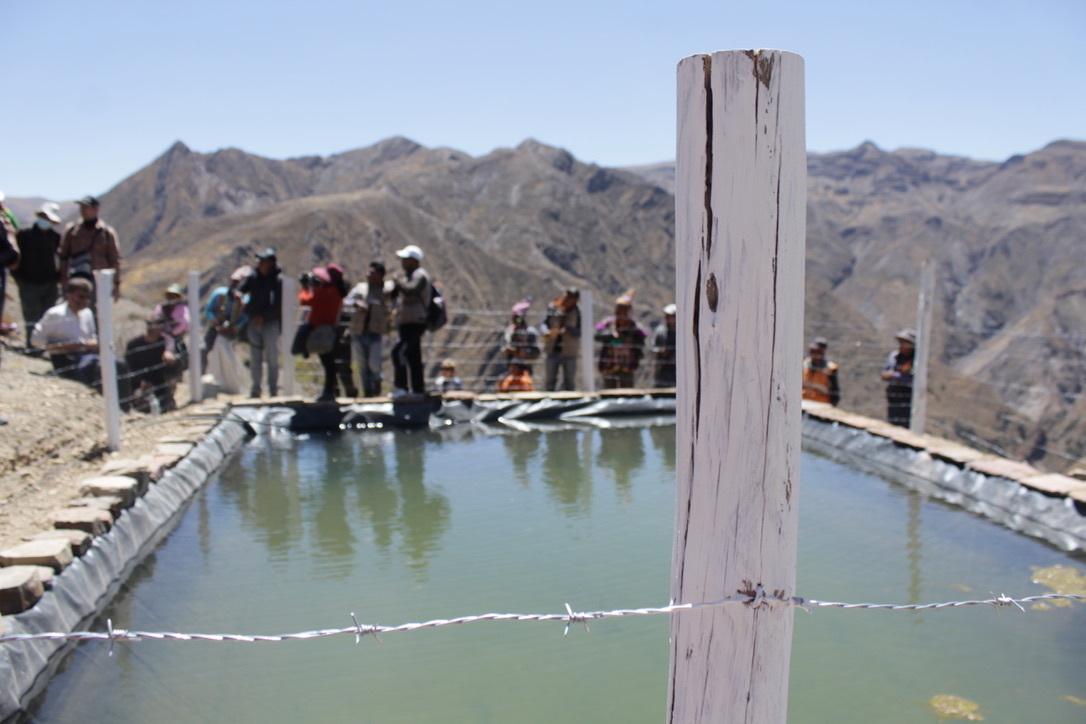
<point x="1008" y="241"/>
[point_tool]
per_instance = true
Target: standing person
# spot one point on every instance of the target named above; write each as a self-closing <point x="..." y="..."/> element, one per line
<point x="264" y="310"/>
<point x="820" y="375"/>
<point x="447" y="379"/>
<point x="414" y="291"/>
<point x="226" y="321"/>
<point x="9" y="252"/>
<point x="520" y="347"/>
<point x="342" y="349"/>
<point x="37" y="273"/>
<point x="898" y="374"/>
<point x="371" y="305"/>
<point x="562" y="339"/>
<point x="663" y="349"/>
<point x="623" y="345"/>
<point x="90" y="245"/>
<point x="324" y="297"/>
<point x="153" y="367"/>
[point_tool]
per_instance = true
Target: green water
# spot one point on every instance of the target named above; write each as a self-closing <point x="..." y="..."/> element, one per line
<point x="406" y="526"/>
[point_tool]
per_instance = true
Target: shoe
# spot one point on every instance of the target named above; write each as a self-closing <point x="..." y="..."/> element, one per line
<point x="351" y="392"/>
<point x="327" y="397"/>
<point x="398" y="393"/>
<point x="254" y="395"/>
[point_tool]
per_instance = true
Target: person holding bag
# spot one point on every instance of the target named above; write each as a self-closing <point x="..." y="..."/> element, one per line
<point x="324" y="298"/>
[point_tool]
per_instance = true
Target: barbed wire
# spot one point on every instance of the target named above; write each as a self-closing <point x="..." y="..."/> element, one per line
<point x="754" y="599"/>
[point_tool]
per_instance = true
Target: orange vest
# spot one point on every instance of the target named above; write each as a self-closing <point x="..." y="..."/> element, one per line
<point x="516" y="381"/>
<point x="816" y="381"/>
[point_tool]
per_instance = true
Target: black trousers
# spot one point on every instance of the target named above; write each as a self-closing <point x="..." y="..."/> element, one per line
<point x="67" y="366"/>
<point x="328" y="362"/>
<point x="407" y="358"/>
<point x="899" y="402"/>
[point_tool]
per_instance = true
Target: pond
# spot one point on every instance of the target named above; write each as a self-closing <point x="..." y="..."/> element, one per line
<point x="296" y="533"/>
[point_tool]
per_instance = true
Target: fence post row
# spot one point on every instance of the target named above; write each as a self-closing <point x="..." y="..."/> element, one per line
<point x="588" y="342"/>
<point x="196" y="383"/>
<point x="924" y="305"/>
<point x="288" y="323"/>
<point x="107" y="356"/>
<point x="740" y="236"/>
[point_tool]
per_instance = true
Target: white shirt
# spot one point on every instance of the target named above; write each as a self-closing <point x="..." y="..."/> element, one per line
<point x="60" y="325"/>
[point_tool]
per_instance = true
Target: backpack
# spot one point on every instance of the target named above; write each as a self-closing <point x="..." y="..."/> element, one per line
<point x="436" y="314"/>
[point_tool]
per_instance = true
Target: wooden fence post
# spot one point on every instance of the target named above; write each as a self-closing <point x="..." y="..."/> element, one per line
<point x="588" y="342"/>
<point x="740" y="223"/>
<point x="288" y="311"/>
<point x="196" y="382"/>
<point x="107" y="356"/>
<point x="924" y="304"/>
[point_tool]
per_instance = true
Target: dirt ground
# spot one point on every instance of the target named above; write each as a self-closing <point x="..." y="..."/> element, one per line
<point x="55" y="437"/>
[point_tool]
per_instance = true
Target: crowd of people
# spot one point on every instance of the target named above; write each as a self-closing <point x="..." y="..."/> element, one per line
<point x="54" y="272"/>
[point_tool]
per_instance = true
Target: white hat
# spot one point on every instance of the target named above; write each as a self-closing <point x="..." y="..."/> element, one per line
<point x="2" y="197"/>
<point x="670" y="310"/>
<point x="50" y="211"/>
<point x="410" y="252"/>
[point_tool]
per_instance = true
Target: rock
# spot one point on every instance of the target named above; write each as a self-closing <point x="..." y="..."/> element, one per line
<point x="88" y="520"/>
<point x="79" y="541"/>
<point x="20" y="588"/>
<point x="113" y="505"/>
<point x="135" y="469"/>
<point x="117" y="486"/>
<point x="178" y="449"/>
<point x="55" y="553"/>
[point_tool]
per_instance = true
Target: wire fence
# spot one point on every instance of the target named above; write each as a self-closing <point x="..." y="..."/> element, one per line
<point x="754" y="599"/>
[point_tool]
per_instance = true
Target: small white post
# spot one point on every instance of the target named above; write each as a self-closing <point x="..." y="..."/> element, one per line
<point x="287" y="324"/>
<point x="924" y="305"/>
<point x="196" y="383"/>
<point x="740" y="224"/>
<point x="588" y="342"/>
<point x="107" y="357"/>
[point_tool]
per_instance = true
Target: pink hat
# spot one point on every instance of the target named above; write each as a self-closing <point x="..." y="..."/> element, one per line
<point x="521" y="307"/>
<point x="321" y="273"/>
<point x="335" y="269"/>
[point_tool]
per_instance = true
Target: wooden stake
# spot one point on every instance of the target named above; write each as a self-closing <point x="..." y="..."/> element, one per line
<point x="588" y="342"/>
<point x="288" y="324"/>
<point x="740" y="237"/>
<point x="196" y="382"/>
<point x="924" y="304"/>
<point x="107" y="357"/>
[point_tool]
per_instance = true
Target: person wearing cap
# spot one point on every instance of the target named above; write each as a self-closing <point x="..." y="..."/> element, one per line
<point x="89" y="245"/>
<point x="413" y="289"/>
<point x="898" y="375"/>
<point x="224" y="316"/>
<point x="264" y="309"/>
<point x="663" y="349"/>
<point x="324" y="298"/>
<point x="37" y="273"/>
<point x="447" y="380"/>
<point x="370" y="305"/>
<point x="820" y="374"/>
<point x="623" y="345"/>
<point x="69" y="336"/>
<point x="153" y="367"/>
<point x="520" y="347"/>
<point x="561" y="332"/>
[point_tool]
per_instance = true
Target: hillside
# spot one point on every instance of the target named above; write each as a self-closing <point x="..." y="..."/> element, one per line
<point x="1007" y="239"/>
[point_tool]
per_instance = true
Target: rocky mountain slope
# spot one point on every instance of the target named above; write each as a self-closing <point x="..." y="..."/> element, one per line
<point x="1008" y="241"/>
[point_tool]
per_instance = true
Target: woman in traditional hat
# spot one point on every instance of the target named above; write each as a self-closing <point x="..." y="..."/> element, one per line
<point x="623" y="344"/>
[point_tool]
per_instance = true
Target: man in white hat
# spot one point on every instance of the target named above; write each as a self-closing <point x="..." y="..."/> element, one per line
<point x="413" y="289"/>
<point x="663" y="349"/>
<point x="898" y="375"/>
<point x="37" y="274"/>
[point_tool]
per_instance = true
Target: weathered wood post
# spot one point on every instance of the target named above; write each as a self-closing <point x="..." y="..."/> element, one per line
<point x="588" y="342"/>
<point x="107" y="356"/>
<point x="740" y="234"/>
<point x="925" y="303"/>
<point x="288" y="311"/>
<point x="196" y="382"/>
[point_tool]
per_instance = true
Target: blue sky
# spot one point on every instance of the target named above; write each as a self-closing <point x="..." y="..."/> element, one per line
<point x="96" y="90"/>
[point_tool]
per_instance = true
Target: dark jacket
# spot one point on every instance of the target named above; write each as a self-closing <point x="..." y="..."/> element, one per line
<point x="37" y="256"/>
<point x="265" y="295"/>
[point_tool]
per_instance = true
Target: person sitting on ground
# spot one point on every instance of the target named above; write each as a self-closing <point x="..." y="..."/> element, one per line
<point x="37" y="274"/>
<point x="562" y="339"/>
<point x="370" y="303"/>
<point x="520" y="347"/>
<point x="153" y="367"/>
<point x="324" y="297"/>
<point x="820" y="375"/>
<point x="623" y="345"/>
<point x="174" y="309"/>
<point x="663" y="349"/>
<point x="69" y="336"/>
<point x="898" y="375"/>
<point x="414" y="292"/>
<point x="446" y="380"/>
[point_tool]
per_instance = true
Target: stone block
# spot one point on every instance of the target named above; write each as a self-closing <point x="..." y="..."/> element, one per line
<point x="177" y="449"/>
<point x="55" y="553"/>
<point x="117" y="486"/>
<point x="1052" y="483"/>
<point x="136" y="469"/>
<point x="77" y="540"/>
<point x="112" y="505"/>
<point x="1010" y="469"/>
<point x="20" y="588"/>
<point x="88" y="520"/>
